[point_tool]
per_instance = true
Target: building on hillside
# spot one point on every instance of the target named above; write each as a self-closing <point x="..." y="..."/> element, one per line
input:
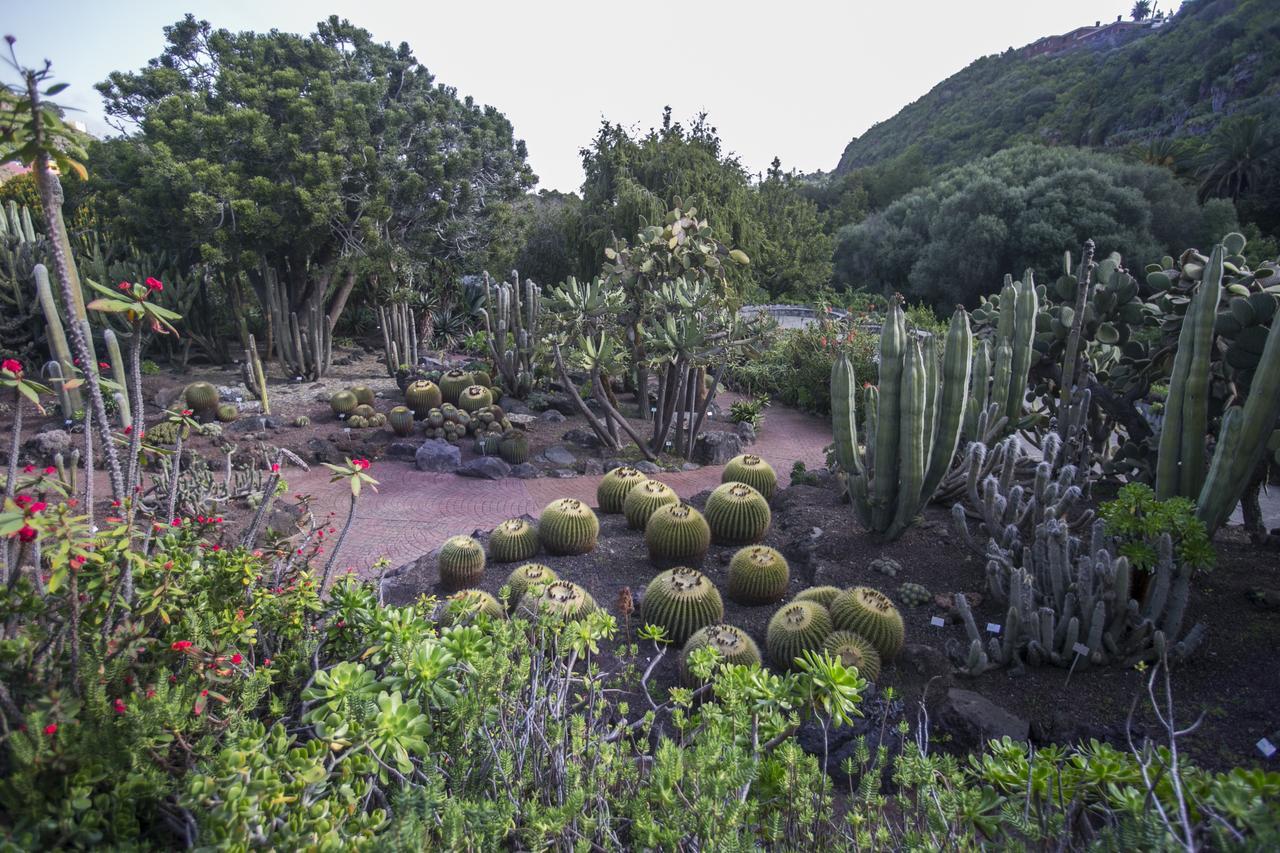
<point x="1099" y="35"/>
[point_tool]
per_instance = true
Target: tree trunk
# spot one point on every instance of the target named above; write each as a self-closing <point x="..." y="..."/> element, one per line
<point x="340" y="300"/>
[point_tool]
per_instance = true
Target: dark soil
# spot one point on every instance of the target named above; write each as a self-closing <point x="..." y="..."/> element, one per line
<point x="1231" y="679"/>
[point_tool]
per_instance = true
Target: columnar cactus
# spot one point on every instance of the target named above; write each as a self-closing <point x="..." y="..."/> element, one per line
<point x="422" y="396"/>
<point x="461" y="562"/>
<point x="560" y="599"/>
<point x="512" y="541"/>
<point x="752" y="470"/>
<point x="677" y="535"/>
<point x="568" y="526"/>
<point x="644" y="499"/>
<point x="401" y="420"/>
<point x="855" y="650"/>
<point x="526" y="577"/>
<point x="758" y="575"/>
<point x="681" y="600"/>
<point x="912" y="423"/>
<point x="511" y="319"/>
<point x="734" y="645"/>
<point x="869" y="612"/>
<point x="615" y="486"/>
<point x="1014" y="313"/>
<point x="796" y="628"/>
<point x="737" y="514"/>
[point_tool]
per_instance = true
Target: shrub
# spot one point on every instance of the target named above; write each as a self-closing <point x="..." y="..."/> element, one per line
<point x="1137" y="520"/>
<point x="795" y="369"/>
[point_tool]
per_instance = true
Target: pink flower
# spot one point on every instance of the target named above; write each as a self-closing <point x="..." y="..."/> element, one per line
<point x="102" y="365"/>
<point x="237" y="658"/>
<point x="119" y="706"/>
<point x="177" y="522"/>
<point x="275" y="467"/>
<point x="186" y="413"/>
<point x="124" y="285"/>
<point x="27" y="533"/>
<point x="181" y="645"/>
<point x="154" y="284"/>
<point x="30" y="469"/>
<point x="38" y="506"/>
<point x="12" y="365"/>
<point x="51" y="729"/>
<point x="360" y="464"/>
<point x="50" y="470"/>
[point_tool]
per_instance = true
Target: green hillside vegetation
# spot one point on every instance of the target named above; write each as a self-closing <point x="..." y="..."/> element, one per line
<point x="1215" y="59"/>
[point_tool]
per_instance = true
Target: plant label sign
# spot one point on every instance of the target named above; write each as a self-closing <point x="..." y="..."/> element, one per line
<point x="993" y="628"/>
<point x="1080" y="649"/>
<point x="937" y="622"/>
<point x="1266" y="747"/>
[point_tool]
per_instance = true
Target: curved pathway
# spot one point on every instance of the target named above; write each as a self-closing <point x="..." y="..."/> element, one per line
<point x="414" y="511"/>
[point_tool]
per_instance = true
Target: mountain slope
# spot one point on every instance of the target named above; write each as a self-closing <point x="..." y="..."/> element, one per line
<point x="1214" y="59"/>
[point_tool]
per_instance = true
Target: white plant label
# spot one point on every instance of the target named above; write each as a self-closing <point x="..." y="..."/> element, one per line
<point x="993" y="628"/>
<point x="1267" y="748"/>
<point x="937" y="622"/>
<point x="1080" y="649"/>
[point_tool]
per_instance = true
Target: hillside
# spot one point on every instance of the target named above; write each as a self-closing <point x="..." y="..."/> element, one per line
<point x="1214" y="59"/>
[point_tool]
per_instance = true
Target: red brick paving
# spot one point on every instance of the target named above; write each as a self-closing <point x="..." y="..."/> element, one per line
<point x="415" y="511"/>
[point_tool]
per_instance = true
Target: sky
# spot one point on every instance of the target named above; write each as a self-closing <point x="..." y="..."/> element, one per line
<point x="794" y="79"/>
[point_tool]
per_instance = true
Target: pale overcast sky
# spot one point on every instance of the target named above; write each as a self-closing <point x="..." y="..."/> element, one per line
<point x="797" y="79"/>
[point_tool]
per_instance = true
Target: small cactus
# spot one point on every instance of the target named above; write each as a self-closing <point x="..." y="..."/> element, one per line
<point x="615" y="486"/>
<point x="734" y="645"/>
<point x="561" y="599"/>
<point x="488" y="444"/>
<point x="854" y="650"/>
<point x="302" y="421"/>
<point x="514" y="447"/>
<point x="913" y="594"/>
<point x="226" y="412"/>
<point x="752" y="470"/>
<point x="474" y="398"/>
<point x="364" y="394"/>
<point x="202" y="398"/>
<point x="343" y="403"/>
<point x="482" y="378"/>
<point x="422" y="396"/>
<point x="796" y="628"/>
<point x="758" y="575"/>
<point x="869" y="612"/>
<point x="464" y="606"/>
<point x="737" y="514"/>
<point x="401" y="420"/>
<point x="681" y="600"/>
<point x="461" y="562"/>
<point x="568" y="526"/>
<point x="643" y="499"/>
<point x="166" y="433"/>
<point x="453" y="383"/>
<point x="364" y="410"/>
<point x="886" y="566"/>
<point x="356" y="422"/>
<point x="526" y="577"/>
<point x="677" y="535"/>
<point x="512" y="541"/>
<point x="824" y="595"/>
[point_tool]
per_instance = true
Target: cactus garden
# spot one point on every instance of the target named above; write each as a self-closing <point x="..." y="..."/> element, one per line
<point x="358" y="494"/>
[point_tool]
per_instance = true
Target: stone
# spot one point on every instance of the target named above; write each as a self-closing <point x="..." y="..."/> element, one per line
<point x="520" y="421"/>
<point x="564" y="473"/>
<point x="168" y="396"/>
<point x="926" y="661"/>
<point x="551" y="416"/>
<point x="47" y="444"/>
<point x="437" y="455"/>
<point x="230" y="393"/>
<point x="690" y="466"/>
<point x="745" y="431"/>
<point x="525" y="471"/>
<point x="324" y="451"/>
<point x="512" y="406"/>
<point x="972" y="719"/>
<point x="406" y="450"/>
<point x="485" y="468"/>
<point x="558" y="454"/>
<point x="583" y="438"/>
<point x="591" y="467"/>
<point x="800" y="549"/>
<point x="256" y="423"/>
<point x="716" y="448"/>
<point x="404" y="584"/>
<point x="644" y="466"/>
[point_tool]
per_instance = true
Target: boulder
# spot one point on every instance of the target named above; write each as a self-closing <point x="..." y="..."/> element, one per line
<point x="592" y="466"/>
<point x="644" y="466"/>
<point x="168" y="396"/>
<point x="582" y="437"/>
<point x="512" y="406"/>
<point x="716" y="448"/>
<point x="520" y="421"/>
<point x="525" y="471"/>
<point x="558" y="454"/>
<point x="485" y="468"/>
<point x="401" y="449"/>
<point x="972" y="719"/>
<point x="745" y="432"/>
<point x="437" y="455"/>
<point x="551" y="416"/>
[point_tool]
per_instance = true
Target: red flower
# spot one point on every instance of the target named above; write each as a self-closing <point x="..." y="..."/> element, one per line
<point x="119" y="706"/>
<point x="27" y="533"/>
<point x="151" y="693"/>
<point x="186" y="413"/>
<point x="215" y="548"/>
<point x="267" y="662"/>
<point x="154" y="284"/>
<point x="12" y="365"/>
<point x="360" y="464"/>
<point x="51" y="729"/>
<point x="51" y="470"/>
<point x="102" y="365"/>
<point x="275" y="467"/>
<point x="237" y="658"/>
<point x="128" y="430"/>
<point x="38" y="506"/>
<point x="181" y="645"/>
<point x="30" y="469"/>
<point x="177" y="522"/>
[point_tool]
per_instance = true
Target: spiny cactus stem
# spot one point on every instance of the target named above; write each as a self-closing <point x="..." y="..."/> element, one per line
<point x="1084" y="285"/>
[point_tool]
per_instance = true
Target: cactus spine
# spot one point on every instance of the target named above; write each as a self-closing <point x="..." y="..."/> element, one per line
<point x="752" y="470"/>
<point x="737" y="514"/>
<point x="453" y="383"/>
<point x="511" y="321"/>
<point x="226" y="412"/>
<point x="796" y="628"/>
<point x="202" y="398"/>
<point x="512" y="541"/>
<point x="912" y="424"/>
<point x="869" y="612"/>
<point x="422" y="396"/>
<point x="461" y="562"/>
<point x="854" y="650"/>
<point x="514" y="447"/>
<point x="758" y="575"/>
<point x="824" y="595"/>
<point x="677" y="534"/>
<point x="343" y="403"/>
<point x="568" y="526"/>
<point x="682" y="601"/>
<point x="615" y="487"/>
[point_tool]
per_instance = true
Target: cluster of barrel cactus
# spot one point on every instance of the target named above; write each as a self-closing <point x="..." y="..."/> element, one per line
<point x="737" y="514"/>
<point x="524" y="578"/>
<point x="681" y="601"/>
<point x="464" y="606"/>
<point x="886" y="566"/>
<point x="560" y="599"/>
<point x="752" y="470"/>
<point x="677" y="535"/>
<point x="913" y="594"/>
<point x="871" y="614"/>
<point x="615" y="486"/>
<point x="758" y="574"/>
<point x="911" y="421"/>
<point x="854" y="650"/>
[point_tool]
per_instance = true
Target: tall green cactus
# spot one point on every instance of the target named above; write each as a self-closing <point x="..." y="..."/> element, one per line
<point x="912" y="422"/>
<point x="399" y="336"/>
<point x="57" y="342"/>
<point x="512" y="309"/>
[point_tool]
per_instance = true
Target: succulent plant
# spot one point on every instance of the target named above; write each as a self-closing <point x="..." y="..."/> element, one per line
<point x="615" y="486"/>
<point x="752" y="470"/>
<point x="226" y="412"/>
<point x="796" y="628"/>
<point x="568" y="526"/>
<point x="677" y="535"/>
<point x="474" y="397"/>
<point x="734" y="645"/>
<point x="364" y="410"/>
<point x="854" y="650"/>
<point x="364" y="394"/>
<point x="453" y="383"/>
<point x="377" y="419"/>
<point x="525" y="577"/>
<point x="643" y="499"/>
<point x="514" y="447"/>
<point x="562" y="599"/>
<point x="488" y="444"/>
<point x="869" y="612"/>
<point x="824" y="595"/>
<point x="886" y="566"/>
<point x="737" y="514"/>
<point x="913" y="594"/>
<point x="401" y="420"/>
<point x="435" y="418"/>
<point x="461" y="562"/>
<point x="201" y="397"/>
<point x="166" y="433"/>
<point x="343" y="403"/>
<point x="422" y="396"/>
<point x="302" y="421"/>
<point x="463" y="606"/>
<point x="482" y="378"/>
<point x="356" y="422"/>
<point x="681" y="600"/>
<point x="758" y="574"/>
<point x="513" y="540"/>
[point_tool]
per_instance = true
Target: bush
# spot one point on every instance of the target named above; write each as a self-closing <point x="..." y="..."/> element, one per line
<point x="796" y="367"/>
<point x="1138" y="520"/>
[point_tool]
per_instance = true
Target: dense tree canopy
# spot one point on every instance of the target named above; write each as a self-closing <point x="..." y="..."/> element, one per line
<point x="954" y="239"/>
<point x="301" y="154"/>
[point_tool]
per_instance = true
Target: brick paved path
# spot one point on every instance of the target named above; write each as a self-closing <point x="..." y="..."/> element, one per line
<point x="415" y="511"/>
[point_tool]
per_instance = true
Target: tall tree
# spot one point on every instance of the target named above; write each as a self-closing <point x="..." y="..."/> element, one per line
<point x="793" y="256"/>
